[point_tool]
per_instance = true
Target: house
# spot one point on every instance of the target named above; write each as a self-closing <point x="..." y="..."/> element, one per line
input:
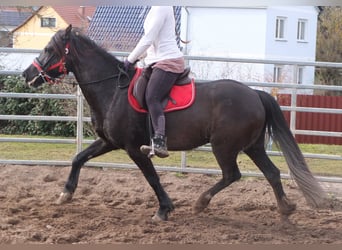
<point x="10" y="18"/>
<point x="37" y="30"/>
<point x="272" y="32"/>
<point x="285" y="33"/>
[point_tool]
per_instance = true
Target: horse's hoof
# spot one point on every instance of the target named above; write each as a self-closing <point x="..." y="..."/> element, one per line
<point x="288" y="210"/>
<point x="157" y="218"/>
<point x="196" y="209"/>
<point x="64" y="198"/>
<point x="286" y="207"/>
<point x="202" y="203"/>
<point x="160" y="217"/>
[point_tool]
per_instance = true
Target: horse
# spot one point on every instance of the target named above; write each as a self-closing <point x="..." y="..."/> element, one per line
<point x="229" y="115"/>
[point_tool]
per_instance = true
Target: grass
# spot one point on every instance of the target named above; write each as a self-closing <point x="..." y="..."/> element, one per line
<point x="196" y="159"/>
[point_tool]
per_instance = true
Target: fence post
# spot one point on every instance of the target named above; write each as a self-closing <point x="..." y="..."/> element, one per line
<point x="293" y="112"/>
<point x="183" y="160"/>
<point x="79" y="132"/>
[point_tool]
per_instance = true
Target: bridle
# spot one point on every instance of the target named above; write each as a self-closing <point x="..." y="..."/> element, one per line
<point x="61" y="65"/>
<point x="43" y="73"/>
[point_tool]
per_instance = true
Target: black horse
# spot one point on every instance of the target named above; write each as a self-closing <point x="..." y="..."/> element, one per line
<point x="227" y="114"/>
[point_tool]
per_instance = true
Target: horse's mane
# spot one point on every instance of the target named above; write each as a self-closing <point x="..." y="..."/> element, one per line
<point x="79" y="45"/>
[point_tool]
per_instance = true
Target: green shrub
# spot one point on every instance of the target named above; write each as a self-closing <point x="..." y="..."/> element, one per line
<point x="35" y="106"/>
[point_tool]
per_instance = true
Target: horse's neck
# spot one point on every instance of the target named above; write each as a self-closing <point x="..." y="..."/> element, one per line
<point x="97" y="77"/>
<point x="100" y="96"/>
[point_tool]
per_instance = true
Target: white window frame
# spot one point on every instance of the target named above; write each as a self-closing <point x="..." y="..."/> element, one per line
<point x="280" y="28"/>
<point x="300" y="74"/>
<point x="302" y="30"/>
<point x="277" y="73"/>
<point x="48" y="26"/>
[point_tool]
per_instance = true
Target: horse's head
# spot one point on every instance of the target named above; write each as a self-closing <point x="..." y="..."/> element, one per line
<point x="51" y="64"/>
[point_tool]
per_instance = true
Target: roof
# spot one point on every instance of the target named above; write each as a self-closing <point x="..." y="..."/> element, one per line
<point x="77" y="16"/>
<point x="13" y="17"/>
<point x="119" y="28"/>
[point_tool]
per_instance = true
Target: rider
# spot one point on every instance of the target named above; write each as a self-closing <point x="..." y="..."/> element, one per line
<point x="166" y="61"/>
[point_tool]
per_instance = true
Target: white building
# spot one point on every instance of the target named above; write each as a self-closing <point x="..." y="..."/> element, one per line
<point x="278" y="33"/>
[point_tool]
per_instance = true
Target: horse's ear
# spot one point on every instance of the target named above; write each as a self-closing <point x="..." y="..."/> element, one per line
<point x="67" y="32"/>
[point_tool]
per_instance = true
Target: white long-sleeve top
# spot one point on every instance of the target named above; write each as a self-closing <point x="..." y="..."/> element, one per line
<point x="159" y="37"/>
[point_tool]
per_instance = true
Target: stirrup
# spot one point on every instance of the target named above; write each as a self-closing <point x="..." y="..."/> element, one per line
<point x="155" y="149"/>
<point x="148" y="150"/>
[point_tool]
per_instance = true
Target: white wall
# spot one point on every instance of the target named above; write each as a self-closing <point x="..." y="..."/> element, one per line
<point x="225" y="32"/>
<point x="246" y="33"/>
<point x="290" y="49"/>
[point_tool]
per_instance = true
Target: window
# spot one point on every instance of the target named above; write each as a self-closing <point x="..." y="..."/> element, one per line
<point x="48" y="22"/>
<point x="5" y="39"/>
<point x="301" y="29"/>
<point x="280" y="28"/>
<point x="300" y="74"/>
<point x="277" y="73"/>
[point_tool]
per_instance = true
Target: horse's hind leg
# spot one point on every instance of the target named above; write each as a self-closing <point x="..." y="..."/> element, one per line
<point x="97" y="148"/>
<point x="258" y="154"/>
<point x="230" y="173"/>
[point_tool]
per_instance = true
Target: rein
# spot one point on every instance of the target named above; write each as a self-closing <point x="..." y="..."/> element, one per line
<point x="118" y="76"/>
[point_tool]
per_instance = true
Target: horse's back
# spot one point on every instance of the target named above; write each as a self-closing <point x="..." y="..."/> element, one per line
<point x="222" y="109"/>
<point x="228" y="97"/>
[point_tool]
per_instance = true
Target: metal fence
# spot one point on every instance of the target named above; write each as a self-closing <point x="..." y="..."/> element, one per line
<point x="80" y="118"/>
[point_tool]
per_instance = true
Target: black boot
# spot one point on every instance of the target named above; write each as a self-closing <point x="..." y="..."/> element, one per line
<point x="157" y="147"/>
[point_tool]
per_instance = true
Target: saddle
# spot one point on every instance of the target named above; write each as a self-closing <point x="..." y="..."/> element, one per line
<point x="181" y="96"/>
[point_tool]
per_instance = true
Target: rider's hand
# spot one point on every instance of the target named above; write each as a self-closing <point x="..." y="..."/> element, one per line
<point x="127" y="65"/>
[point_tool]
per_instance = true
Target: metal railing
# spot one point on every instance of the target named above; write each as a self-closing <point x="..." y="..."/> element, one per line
<point x="80" y="118"/>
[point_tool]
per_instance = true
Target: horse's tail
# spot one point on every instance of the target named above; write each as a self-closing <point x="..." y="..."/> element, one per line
<point x="282" y="136"/>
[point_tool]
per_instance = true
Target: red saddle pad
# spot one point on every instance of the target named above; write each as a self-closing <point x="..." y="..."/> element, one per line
<point x="182" y="96"/>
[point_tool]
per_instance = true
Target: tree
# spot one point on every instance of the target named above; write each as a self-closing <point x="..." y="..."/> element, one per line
<point x="329" y="46"/>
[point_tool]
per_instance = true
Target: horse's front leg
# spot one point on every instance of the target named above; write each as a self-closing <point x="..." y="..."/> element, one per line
<point x="147" y="168"/>
<point x="97" y="148"/>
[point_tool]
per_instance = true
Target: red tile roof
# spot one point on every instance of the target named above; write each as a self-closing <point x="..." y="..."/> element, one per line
<point x="78" y="16"/>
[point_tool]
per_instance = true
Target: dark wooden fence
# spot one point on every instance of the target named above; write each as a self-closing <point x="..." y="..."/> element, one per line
<point x="315" y="121"/>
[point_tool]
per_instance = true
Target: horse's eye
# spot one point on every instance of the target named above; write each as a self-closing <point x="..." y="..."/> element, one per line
<point x="47" y="49"/>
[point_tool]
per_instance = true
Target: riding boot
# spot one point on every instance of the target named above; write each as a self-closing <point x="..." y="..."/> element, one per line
<point x="158" y="147"/>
